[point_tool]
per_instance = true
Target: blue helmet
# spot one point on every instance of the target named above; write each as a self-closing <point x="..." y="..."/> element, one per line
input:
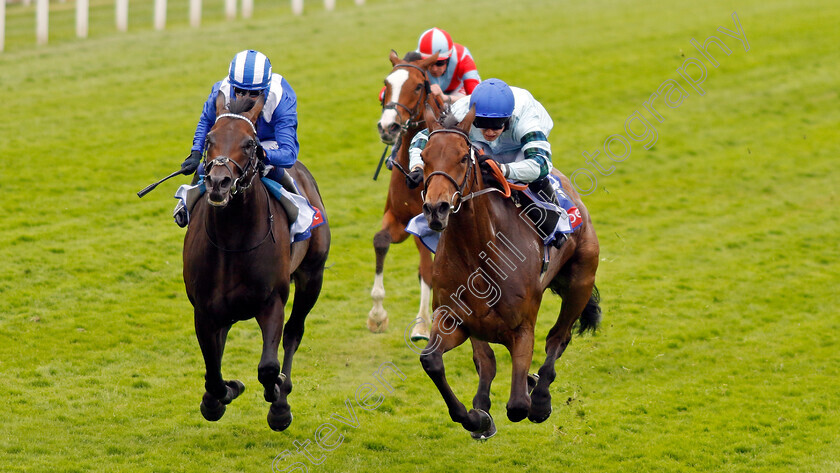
<point x="492" y="99"/>
<point x="250" y="70"/>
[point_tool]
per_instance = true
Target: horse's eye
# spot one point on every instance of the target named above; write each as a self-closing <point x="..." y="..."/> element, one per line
<point x="464" y="159"/>
<point x="418" y="88"/>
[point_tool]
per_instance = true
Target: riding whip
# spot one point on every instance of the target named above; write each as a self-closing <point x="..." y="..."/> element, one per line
<point x="381" y="160"/>
<point x="152" y="186"/>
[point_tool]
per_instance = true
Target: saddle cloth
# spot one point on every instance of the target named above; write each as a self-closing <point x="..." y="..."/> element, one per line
<point x="304" y="216"/>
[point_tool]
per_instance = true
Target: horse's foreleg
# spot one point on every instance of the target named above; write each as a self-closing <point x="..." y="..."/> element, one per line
<point x="521" y="353"/>
<point x="432" y="360"/>
<point x="575" y="298"/>
<point x="485" y="365"/>
<point x="270" y="321"/>
<point x="420" y="330"/>
<point x="392" y="232"/>
<point x="218" y="393"/>
<point x="377" y="317"/>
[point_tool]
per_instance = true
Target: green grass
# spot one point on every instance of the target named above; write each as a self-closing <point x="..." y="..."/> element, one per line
<point x="719" y="245"/>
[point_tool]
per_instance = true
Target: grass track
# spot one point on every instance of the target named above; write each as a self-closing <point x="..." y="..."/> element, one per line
<point x="719" y="245"/>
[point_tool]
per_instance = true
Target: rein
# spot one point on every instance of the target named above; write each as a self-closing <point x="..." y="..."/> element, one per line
<point x="497" y="173"/>
<point x="236" y="187"/>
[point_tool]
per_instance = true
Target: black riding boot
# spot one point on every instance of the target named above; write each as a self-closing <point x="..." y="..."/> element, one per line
<point x="544" y="190"/>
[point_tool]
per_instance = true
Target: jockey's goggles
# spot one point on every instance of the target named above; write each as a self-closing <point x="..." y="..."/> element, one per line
<point x="441" y="62"/>
<point x="491" y="123"/>
<point x="245" y="92"/>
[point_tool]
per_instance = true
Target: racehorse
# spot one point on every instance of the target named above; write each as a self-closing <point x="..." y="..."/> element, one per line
<point x="239" y="260"/>
<point x="489" y="277"/>
<point x="406" y="90"/>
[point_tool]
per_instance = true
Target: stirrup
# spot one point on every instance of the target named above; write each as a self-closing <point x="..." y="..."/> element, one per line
<point x="180" y="215"/>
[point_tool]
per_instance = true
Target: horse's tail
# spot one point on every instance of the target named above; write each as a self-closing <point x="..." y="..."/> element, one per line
<point x="591" y="315"/>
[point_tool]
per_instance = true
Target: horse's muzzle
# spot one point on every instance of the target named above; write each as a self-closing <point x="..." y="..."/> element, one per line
<point x="437" y="214"/>
<point x="389" y="133"/>
<point x="218" y="189"/>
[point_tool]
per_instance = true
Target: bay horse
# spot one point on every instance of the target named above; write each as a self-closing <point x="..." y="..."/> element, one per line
<point x="239" y="261"/>
<point x="406" y="91"/>
<point x="488" y="279"/>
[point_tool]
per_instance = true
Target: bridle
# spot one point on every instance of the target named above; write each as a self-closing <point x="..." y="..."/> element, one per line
<point x="251" y="168"/>
<point x="459" y="188"/>
<point x="415" y="116"/>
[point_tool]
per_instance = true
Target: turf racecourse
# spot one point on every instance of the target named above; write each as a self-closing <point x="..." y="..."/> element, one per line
<point x="719" y="274"/>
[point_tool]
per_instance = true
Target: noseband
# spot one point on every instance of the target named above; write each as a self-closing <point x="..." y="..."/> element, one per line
<point x="225" y="160"/>
<point x="413" y="115"/>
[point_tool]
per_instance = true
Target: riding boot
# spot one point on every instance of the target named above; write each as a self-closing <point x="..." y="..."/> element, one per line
<point x="545" y="191"/>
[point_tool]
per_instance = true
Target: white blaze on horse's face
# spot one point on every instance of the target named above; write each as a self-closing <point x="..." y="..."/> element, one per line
<point x="389" y="123"/>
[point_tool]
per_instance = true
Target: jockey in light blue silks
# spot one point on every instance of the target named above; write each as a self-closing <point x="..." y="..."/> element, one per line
<point x="511" y="127"/>
<point x="250" y="76"/>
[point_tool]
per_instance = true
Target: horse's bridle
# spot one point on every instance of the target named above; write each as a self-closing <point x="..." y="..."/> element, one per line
<point x="250" y="167"/>
<point x="417" y="112"/>
<point x="459" y="188"/>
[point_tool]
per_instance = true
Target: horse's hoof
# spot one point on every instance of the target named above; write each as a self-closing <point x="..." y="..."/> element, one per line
<point x="539" y="412"/>
<point x="211" y="408"/>
<point x="279" y="422"/>
<point x="420" y="332"/>
<point x="235" y="388"/>
<point x="486" y="434"/>
<point x="485" y="422"/>
<point x="533" y="379"/>
<point x="378" y="325"/>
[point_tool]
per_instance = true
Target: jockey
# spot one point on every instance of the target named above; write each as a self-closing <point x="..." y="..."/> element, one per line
<point x="250" y="76"/>
<point x="454" y="75"/>
<point x="510" y="127"/>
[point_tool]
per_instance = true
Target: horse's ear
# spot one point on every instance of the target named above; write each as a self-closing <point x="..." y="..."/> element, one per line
<point x="466" y="123"/>
<point x="431" y="119"/>
<point x="254" y="113"/>
<point x="394" y="58"/>
<point x="425" y="63"/>
<point x="220" y="104"/>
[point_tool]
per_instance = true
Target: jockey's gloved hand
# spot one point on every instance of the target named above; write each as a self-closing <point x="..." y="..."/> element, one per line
<point x="191" y="163"/>
<point x="484" y="164"/>
<point x="414" y="178"/>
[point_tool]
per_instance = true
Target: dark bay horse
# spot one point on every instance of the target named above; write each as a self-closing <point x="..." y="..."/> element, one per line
<point x="488" y="284"/>
<point x="239" y="261"/>
<point x="406" y="90"/>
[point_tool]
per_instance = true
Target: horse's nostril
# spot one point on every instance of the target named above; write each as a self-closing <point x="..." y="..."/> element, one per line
<point x="379" y="127"/>
<point x="394" y="127"/>
<point x="427" y="209"/>
<point x="443" y="209"/>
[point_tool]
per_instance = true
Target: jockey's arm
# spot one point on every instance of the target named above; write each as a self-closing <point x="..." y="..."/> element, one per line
<point x="285" y="132"/>
<point x="537" y="162"/>
<point x="417" y="144"/>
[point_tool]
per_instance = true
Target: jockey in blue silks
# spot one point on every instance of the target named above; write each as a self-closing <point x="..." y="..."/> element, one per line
<point x="250" y="76"/>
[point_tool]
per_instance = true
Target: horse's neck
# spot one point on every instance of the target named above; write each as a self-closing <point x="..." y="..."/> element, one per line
<point x="244" y="214"/>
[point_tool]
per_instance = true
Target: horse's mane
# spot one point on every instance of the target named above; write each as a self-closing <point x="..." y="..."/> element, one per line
<point x="241" y="105"/>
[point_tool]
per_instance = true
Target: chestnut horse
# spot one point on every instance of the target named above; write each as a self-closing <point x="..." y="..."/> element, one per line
<point x="406" y="90"/>
<point x="488" y="280"/>
<point x="239" y="261"/>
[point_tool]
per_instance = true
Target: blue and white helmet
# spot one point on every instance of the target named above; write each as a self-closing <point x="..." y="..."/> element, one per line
<point x="250" y="70"/>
